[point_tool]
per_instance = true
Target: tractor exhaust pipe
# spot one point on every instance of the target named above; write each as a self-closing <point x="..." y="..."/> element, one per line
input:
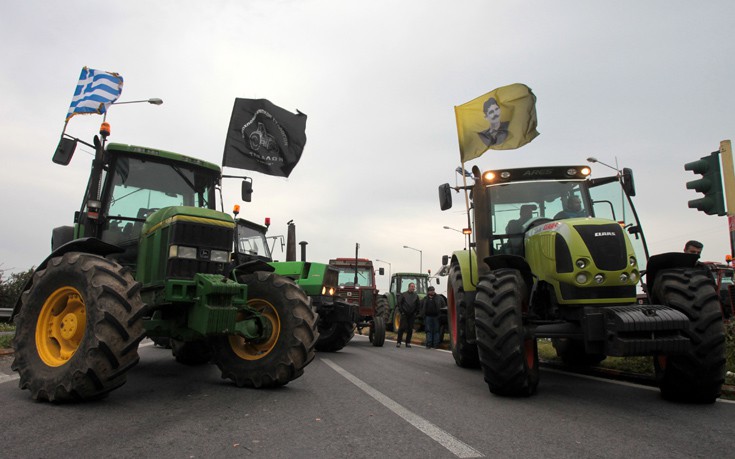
<point x="291" y="242"/>
<point x="303" y="250"/>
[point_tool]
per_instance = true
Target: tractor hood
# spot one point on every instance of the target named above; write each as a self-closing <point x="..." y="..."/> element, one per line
<point x="588" y="258"/>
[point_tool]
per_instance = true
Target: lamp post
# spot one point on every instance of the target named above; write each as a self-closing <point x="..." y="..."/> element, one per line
<point x="152" y="100"/>
<point x="592" y="159"/>
<point x="453" y="229"/>
<point x="464" y="233"/>
<point x="421" y="257"/>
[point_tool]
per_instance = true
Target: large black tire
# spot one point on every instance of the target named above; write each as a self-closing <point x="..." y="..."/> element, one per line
<point x="191" y="353"/>
<point x="382" y="308"/>
<point x="377" y="331"/>
<point x="508" y="354"/>
<point x="334" y="336"/>
<point x="282" y="357"/>
<point x="697" y="376"/>
<point x="78" y="329"/>
<point x="464" y="353"/>
<point x="396" y="322"/>
<point x="572" y="353"/>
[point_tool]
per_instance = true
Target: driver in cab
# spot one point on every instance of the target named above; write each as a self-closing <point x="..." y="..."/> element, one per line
<point x="572" y="209"/>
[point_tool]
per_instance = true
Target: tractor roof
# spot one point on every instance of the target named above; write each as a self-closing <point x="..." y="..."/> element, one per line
<point x="145" y="151"/>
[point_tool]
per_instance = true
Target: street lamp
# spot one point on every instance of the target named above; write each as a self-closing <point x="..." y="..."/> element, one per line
<point x="153" y="100"/>
<point x="453" y="229"/>
<point x="421" y="257"/>
<point x="592" y="159"/>
<point x="389" y="266"/>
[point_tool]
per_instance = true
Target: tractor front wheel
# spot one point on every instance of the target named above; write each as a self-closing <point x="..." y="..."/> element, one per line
<point x="281" y="357"/>
<point x="696" y="376"/>
<point x="508" y="354"/>
<point x="377" y="331"/>
<point x="334" y="336"/>
<point x="78" y="329"/>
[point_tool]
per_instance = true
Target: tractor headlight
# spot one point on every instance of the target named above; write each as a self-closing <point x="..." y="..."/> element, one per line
<point x="623" y="277"/>
<point x="180" y="251"/>
<point x="582" y="278"/>
<point x="599" y="278"/>
<point x="632" y="261"/>
<point x="581" y="263"/>
<point x="634" y="277"/>
<point x="220" y="256"/>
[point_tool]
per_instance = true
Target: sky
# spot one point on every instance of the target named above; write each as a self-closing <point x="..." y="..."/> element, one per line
<point x="639" y="84"/>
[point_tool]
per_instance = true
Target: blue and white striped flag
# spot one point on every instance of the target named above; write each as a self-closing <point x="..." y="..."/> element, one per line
<point x="95" y="92"/>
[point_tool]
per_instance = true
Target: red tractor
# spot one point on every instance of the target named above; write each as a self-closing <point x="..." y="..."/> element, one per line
<point x="356" y="285"/>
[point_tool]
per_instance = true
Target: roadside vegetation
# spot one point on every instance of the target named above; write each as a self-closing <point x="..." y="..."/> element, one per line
<point x="10" y="288"/>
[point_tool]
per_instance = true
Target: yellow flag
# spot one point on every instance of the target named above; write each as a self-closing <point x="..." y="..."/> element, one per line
<point x="503" y="119"/>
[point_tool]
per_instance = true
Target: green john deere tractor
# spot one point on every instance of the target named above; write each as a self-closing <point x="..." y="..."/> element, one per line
<point x="398" y="284"/>
<point x="336" y="323"/>
<point x="149" y="255"/>
<point x="558" y="255"/>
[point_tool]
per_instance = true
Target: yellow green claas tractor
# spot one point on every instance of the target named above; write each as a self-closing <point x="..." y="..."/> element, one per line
<point x="336" y="323"/>
<point x="558" y="255"/>
<point x="150" y="255"/>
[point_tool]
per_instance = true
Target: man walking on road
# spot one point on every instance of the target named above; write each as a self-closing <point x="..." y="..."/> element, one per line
<point x="430" y="307"/>
<point x="408" y="306"/>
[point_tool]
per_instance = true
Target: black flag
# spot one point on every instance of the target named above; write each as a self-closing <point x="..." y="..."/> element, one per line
<point x="263" y="137"/>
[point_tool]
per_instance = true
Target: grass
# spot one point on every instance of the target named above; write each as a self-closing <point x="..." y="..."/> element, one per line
<point x="6" y="341"/>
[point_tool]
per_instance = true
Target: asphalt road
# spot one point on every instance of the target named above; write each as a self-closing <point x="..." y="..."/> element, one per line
<point x="361" y="402"/>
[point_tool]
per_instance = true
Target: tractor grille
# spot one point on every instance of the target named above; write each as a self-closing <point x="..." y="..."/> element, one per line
<point x="205" y="238"/>
<point x="606" y="244"/>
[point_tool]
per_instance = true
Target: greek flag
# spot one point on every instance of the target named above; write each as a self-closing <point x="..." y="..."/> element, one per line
<point x="95" y="92"/>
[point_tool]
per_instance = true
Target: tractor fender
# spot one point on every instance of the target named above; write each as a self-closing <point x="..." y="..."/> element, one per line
<point x="249" y="267"/>
<point x="84" y="245"/>
<point x="467" y="261"/>
<point x="668" y="260"/>
<point x="513" y="262"/>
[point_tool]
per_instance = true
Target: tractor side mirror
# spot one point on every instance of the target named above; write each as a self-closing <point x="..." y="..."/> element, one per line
<point x="628" y="183"/>
<point x="64" y="151"/>
<point x="247" y="190"/>
<point x="445" y="260"/>
<point x="437" y="281"/>
<point x="381" y="271"/>
<point x="445" y="196"/>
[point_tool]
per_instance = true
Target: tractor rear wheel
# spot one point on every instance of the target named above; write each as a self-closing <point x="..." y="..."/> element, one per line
<point x="464" y="353"/>
<point x="334" y="336"/>
<point x="382" y="308"/>
<point x="696" y="376"/>
<point x="78" y="329"/>
<point x="282" y="356"/>
<point x="377" y="331"/>
<point x="191" y="353"/>
<point x="508" y="354"/>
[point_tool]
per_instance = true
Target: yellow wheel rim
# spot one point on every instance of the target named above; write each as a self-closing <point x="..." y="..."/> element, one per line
<point x="60" y="327"/>
<point x="249" y="350"/>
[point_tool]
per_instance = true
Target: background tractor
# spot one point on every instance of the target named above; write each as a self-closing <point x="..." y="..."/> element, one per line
<point x="336" y="318"/>
<point x="399" y="284"/>
<point x="149" y="255"/>
<point x="570" y="274"/>
<point x="356" y="285"/>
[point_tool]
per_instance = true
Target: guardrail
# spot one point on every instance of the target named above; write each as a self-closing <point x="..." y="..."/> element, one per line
<point x="5" y="313"/>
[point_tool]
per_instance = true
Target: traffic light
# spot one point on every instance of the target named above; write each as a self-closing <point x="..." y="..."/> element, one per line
<point x="713" y="202"/>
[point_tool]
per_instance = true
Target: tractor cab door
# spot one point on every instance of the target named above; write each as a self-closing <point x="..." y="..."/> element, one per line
<point x="610" y="201"/>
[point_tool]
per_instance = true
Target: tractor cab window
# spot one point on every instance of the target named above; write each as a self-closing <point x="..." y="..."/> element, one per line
<point x="138" y="187"/>
<point x="252" y="242"/>
<point x="347" y="276"/>
<point x="517" y="207"/>
<point x="401" y="284"/>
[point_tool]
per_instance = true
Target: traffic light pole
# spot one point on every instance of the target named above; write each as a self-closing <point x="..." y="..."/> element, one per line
<point x="728" y="178"/>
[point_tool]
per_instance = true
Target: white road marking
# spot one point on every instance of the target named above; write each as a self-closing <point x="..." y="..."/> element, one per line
<point x="455" y="446"/>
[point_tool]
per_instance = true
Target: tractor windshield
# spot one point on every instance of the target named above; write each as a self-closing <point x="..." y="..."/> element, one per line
<point x="136" y="187"/>
<point x="347" y="276"/>
<point x="400" y="284"/>
<point x="251" y="241"/>
<point x="514" y="205"/>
